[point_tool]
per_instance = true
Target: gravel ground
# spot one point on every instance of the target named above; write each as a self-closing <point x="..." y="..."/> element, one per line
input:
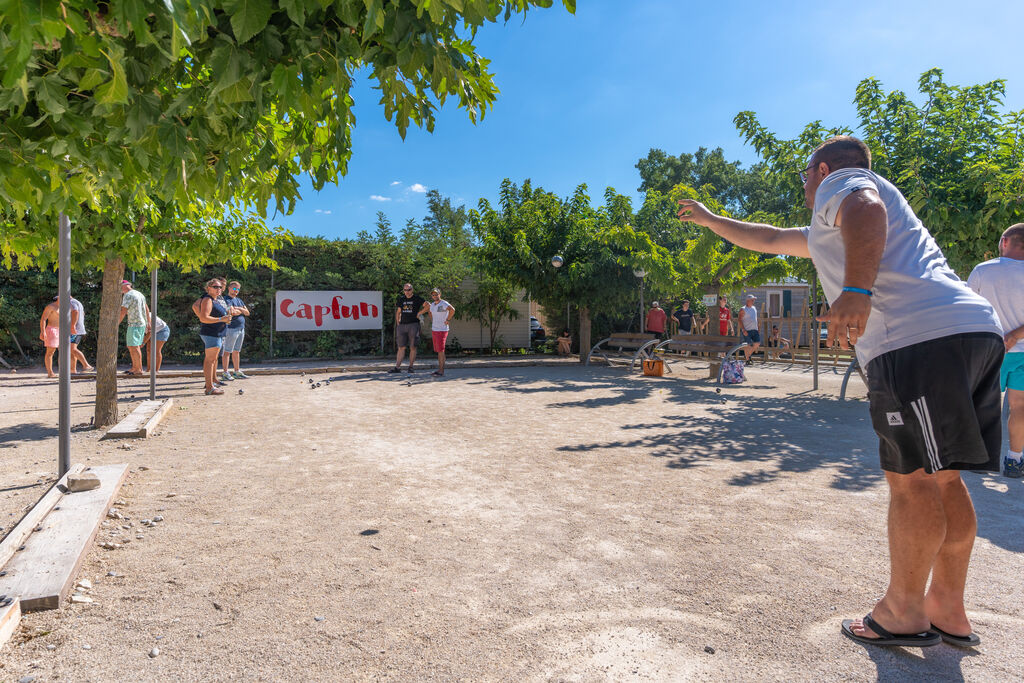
<point x="569" y="523"/>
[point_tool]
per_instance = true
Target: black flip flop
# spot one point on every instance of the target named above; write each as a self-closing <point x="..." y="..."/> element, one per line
<point x="972" y="640"/>
<point x="923" y="639"/>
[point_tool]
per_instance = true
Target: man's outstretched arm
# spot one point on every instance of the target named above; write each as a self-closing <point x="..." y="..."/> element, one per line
<point x="753" y="236"/>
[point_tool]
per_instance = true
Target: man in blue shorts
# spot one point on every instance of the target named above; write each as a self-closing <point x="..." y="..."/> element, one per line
<point x="899" y="303"/>
<point x="1001" y="281"/>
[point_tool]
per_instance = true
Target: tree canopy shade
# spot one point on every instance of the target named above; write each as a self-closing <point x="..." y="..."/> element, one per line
<point x="159" y="127"/>
<point x="958" y="158"/>
<point x="221" y="100"/>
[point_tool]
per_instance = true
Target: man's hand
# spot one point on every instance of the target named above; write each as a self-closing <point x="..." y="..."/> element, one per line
<point x="692" y="211"/>
<point x="847" y="319"/>
<point x="1011" y="338"/>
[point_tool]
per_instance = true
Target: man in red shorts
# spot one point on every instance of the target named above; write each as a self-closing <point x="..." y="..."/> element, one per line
<point x="724" y="317"/>
<point x="441" y="313"/>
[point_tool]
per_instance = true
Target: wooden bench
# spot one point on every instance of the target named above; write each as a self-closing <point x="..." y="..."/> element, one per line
<point x="715" y="346"/>
<point x="624" y="340"/>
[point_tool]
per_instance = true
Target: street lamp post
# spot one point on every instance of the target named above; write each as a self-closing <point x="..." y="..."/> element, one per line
<point x="640" y="273"/>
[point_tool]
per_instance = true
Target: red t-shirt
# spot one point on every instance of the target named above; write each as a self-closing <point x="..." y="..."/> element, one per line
<point x="724" y="316"/>
<point x="656" y="320"/>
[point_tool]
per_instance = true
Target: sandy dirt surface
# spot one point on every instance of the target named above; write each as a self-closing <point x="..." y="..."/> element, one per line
<point x="527" y="524"/>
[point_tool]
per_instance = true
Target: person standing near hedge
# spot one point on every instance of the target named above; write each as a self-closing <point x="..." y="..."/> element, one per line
<point x="441" y="313"/>
<point x="235" y="332"/>
<point x="213" y="319"/>
<point x="408" y="309"/>
<point x="133" y="305"/>
<point x="77" y="332"/>
<point x="163" y="333"/>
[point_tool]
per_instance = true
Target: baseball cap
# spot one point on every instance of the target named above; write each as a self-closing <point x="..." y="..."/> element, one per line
<point x="654" y="303"/>
<point x="125" y="282"/>
<point x="751" y="296"/>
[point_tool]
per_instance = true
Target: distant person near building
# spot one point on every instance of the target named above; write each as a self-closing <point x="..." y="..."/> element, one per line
<point x="684" y="318"/>
<point x="564" y="343"/>
<point x="408" y="309"/>
<point x="441" y="313"/>
<point x="751" y="331"/>
<point x="724" y="317"/>
<point x="133" y="305"/>
<point x="656" y="318"/>
<point x="1001" y="281"/>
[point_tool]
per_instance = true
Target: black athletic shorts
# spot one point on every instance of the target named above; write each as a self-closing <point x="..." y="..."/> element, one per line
<point x="937" y="404"/>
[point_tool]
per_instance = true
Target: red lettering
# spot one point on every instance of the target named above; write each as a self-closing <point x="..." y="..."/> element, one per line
<point x="305" y="311"/>
<point x="374" y="313"/>
<point x="364" y="308"/>
<point x="336" y="307"/>
<point x="320" y="312"/>
<point x="284" y="308"/>
<point x="345" y="312"/>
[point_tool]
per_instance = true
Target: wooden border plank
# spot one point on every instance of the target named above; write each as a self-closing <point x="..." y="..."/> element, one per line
<point x="137" y="424"/>
<point x="151" y="424"/>
<point x="15" y="538"/>
<point x="43" y="573"/>
<point x="10" y="619"/>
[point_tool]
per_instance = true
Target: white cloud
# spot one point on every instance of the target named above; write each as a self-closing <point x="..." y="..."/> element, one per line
<point x="378" y="198"/>
<point x="396" y="182"/>
<point x="323" y="211"/>
<point x="416" y="187"/>
<point x="328" y="212"/>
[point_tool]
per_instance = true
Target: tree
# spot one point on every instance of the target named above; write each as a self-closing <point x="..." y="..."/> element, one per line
<point x="958" y="158"/>
<point x="133" y="121"/>
<point x="599" y="247"/>
<point x="491" y="303"/>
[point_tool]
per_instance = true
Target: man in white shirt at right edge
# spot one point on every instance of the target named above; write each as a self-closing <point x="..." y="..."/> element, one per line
<point x="932" y="350"/>
<point x="1001" y="281"/>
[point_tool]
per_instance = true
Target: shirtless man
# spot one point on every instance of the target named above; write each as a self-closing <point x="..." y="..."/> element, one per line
<point x="49" y="333"/>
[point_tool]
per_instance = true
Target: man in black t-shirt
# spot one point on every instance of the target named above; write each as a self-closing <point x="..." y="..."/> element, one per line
<point x="408" y="309"/>
<point x="684" y="316"/>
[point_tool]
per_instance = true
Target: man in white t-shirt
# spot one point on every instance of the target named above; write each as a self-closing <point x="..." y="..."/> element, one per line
<point x="1001" y="281"/>
<point x="751" y="333"/>
<point x="441" y="313"/>
<point x="932" y="350"/>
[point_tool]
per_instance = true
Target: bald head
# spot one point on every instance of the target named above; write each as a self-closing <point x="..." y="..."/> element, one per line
<point x="1012" y="242"/>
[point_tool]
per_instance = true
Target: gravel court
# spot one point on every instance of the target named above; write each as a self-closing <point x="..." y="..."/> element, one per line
<point x="569" y="523"/>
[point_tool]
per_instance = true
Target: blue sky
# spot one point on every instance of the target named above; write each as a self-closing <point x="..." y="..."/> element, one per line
<point x="584" y="97"/>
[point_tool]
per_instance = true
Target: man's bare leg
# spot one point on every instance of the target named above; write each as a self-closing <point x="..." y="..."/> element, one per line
<point x="78" y="357"/>
<point x="944" y="603"/>
<point x="48" y="362"/>
<point x="1015" y="423"/>
<point x="401" y="355"/>
<point x="412" y="356"/>
<point x="136" y="355"/>
<point x="917" y="530"/>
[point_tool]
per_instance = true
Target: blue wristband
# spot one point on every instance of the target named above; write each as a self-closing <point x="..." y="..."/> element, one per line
<point x="858" y="290"/>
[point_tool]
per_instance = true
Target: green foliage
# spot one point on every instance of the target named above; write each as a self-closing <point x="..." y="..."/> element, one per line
<point x="600" y="247"/>
<point x="491" y="304"/>
<point x="958" y="158"/>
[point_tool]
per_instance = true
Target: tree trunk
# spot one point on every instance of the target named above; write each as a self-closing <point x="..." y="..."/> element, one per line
<point x="106" y="345"/>
<point x="584" y="333"/>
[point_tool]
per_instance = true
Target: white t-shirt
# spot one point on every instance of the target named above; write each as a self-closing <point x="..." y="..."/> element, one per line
<point x="160" y="324"/>
<point x="438" y="316"/>
<point x="76" y="305"/>
<point x="1001" y="281"/>
<point x="749" y="317"/>
<point x="917" y="296"/>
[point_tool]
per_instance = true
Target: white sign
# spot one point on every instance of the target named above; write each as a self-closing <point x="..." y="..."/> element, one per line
<point x="710" y="300"/>
<point x="315" y="311"/>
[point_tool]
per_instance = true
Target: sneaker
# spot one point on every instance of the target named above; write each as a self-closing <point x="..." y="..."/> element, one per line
<point x="240" y="375"/>
<point x="435" y="373"/>
<point x="411" y="370"/>
<point x="395" y="369"/>
<point x="226" y="377"/>
<point x="1013" y="468"/>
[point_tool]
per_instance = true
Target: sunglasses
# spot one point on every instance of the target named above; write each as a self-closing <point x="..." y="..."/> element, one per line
<point x="216" y="286"/>
<point x="803" y="173"/>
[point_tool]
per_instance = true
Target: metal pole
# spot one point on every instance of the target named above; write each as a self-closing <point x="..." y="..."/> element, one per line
<point x="641" y="304"/>
<point x="152" y="333"/>
<point x="273" y="298"/>
<point x="816" y="327"/>
<point x="64" y="328"/>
